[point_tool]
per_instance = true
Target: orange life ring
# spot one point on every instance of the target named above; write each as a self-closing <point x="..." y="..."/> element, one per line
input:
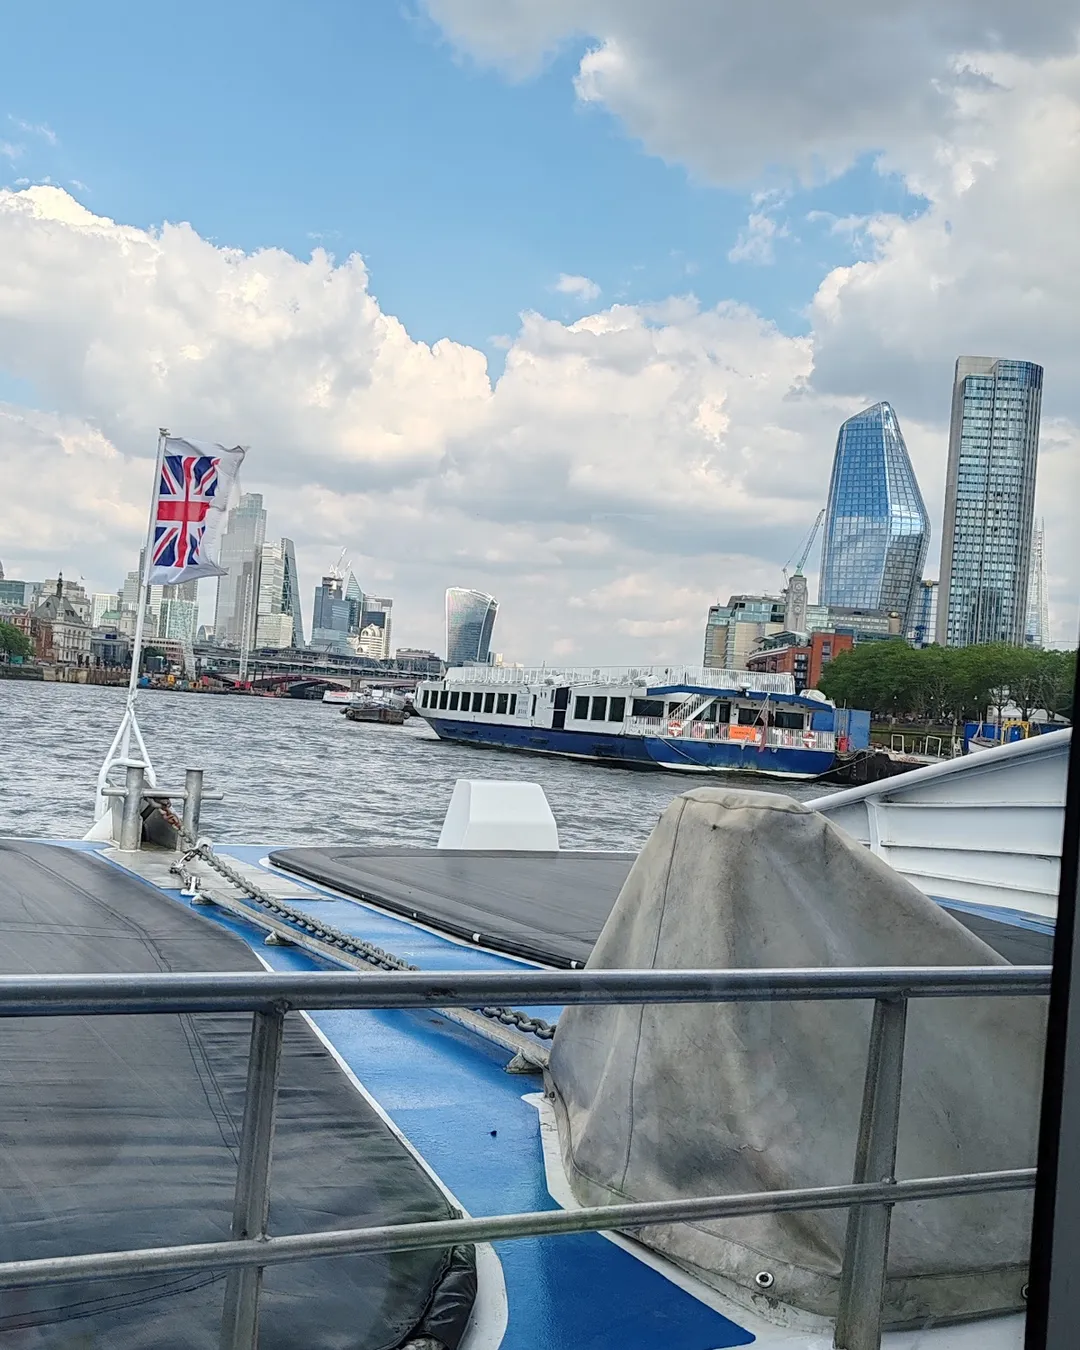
<point x="674" y="728"/>
<point x="808" y="739"/>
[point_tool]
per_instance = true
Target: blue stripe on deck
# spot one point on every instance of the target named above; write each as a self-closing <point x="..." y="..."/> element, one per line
<point x="448" y="1093"/>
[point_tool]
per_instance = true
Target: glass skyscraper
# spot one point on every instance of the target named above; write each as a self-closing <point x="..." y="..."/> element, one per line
<point x="237" y="592"/>
<point x="876" y="526"/>
<point x="470" y="617"/>
<point x="989" y="501"/>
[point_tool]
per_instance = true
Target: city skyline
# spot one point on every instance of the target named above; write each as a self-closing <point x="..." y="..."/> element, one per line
<point x="605" y="388"/>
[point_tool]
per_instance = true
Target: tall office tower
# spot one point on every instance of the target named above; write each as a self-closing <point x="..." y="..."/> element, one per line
<point x="470" y="617"/>
<point x="876" y="526"/>
<point x="989" y="501"/>
<point x="373" y="636"/>
<point x="1037" y="633"/>
<point x="273" y="624"/>
<point x="923" y="623"/>
<point x="291" y="593"/>
<point x="102" y="603"/>
<point x="331" y="617"/>
<point x="237" y="591"/>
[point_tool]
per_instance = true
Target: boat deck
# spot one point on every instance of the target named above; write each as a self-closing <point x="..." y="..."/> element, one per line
<point x="482" y="1132"/>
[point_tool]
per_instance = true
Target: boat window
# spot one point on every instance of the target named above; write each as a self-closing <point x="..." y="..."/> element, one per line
<point x="616" y="710"/>
<point x="502" y="704"/>
<point x="717" y="712"/>
<point x="599" y="708"/>
<point x="648" y="707"/>
<point x="749" y="717"/>
<point x="424" y="698"/>
<point x="791" y="721"/>
<point x="513" y="704"/>
<point x="581" y="706"/>
<point x="533" y="713"/>
<point x="443" y="697"/>
<point x="489" y="702"/>
<point x="454" y="697"/>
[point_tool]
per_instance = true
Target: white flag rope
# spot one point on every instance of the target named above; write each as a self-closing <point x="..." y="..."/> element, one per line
<point x="193" y="481"/>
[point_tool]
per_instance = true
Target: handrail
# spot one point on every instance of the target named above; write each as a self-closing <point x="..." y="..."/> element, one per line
<point x="270" y="996"/>
<point x="164" y="992"/>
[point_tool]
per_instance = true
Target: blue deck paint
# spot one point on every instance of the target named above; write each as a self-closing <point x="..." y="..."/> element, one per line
<point x="684" y="753"/>
<point x="448" y="1093"/>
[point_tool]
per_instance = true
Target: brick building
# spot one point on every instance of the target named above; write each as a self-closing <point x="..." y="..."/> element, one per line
<point x="803" y="655"/>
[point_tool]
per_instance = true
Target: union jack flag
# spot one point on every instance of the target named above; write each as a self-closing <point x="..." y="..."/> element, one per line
<point x="192" y="496"/>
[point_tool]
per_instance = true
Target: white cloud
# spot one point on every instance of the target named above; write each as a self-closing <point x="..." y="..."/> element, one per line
<point x="734" y="90"/>
<point x="10" y="151"/>
<point x="581" y="287"/>
<point x="755" y="241"/>
<point x="41" y="129"/>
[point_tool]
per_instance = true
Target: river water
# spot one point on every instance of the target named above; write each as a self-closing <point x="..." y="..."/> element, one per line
<point x="300" y="773"/>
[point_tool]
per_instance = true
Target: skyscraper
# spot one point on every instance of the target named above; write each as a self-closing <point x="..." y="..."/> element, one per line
<point x="470" y="617"/>
<point x="1037" y="632"/>
<point x="234" y="614"/>
<point x="989" y="501"/>
<point x="330" y="617"/>
<point x="291" y="590"/>
<point x="373" y="637"/>
<point x="876" y="526"/>
<point x="274" y="625"/>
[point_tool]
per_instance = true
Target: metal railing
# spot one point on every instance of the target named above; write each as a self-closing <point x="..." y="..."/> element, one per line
<point x="762" y="682"/>
<point x="754" y="737"/>
<point x="269" y="997"/>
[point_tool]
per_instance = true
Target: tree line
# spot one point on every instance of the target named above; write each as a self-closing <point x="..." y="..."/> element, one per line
<point x="949" y="685"/>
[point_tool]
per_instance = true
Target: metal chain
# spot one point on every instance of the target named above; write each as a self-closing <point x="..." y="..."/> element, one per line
<point x="324" y="932"/>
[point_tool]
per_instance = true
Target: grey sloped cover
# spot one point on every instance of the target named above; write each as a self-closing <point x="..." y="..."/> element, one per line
<point x="687" y="1100"/>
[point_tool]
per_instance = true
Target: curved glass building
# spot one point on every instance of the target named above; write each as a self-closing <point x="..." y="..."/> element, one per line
<point x="470" y="617"/>
<point x="876" y="526"/>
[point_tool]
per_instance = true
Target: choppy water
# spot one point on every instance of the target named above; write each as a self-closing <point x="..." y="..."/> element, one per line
<point x="296" y="772"/>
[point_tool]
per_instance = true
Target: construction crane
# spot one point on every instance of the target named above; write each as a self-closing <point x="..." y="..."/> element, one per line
<point x="807" y="546"/>
<point x="340" y="569"/>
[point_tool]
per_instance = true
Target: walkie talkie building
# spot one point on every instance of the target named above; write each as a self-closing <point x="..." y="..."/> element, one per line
<point x="470" y="617"/>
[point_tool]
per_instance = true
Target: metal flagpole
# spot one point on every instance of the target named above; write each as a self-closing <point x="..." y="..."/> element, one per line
<point x="120" y="749"/>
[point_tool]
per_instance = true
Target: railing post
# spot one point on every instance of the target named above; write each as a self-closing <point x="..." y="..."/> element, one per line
<point x="251" y="1203"/>
<point x="193" y="789"/>
<point x="866" y="1250"/>
<point x="131" y="819"/>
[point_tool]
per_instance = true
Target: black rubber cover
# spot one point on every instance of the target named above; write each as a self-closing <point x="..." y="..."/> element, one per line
<point x="547" y="907"/>
<point x="123" y="1132"/>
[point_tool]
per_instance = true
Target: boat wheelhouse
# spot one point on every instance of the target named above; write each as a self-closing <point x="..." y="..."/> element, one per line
<point x="696" y="720"/>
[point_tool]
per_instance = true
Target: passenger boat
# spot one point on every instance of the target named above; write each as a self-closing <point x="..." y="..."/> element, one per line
<point x="691" y="720"/>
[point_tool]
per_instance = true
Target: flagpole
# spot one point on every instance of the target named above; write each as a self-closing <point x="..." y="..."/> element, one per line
<point x="120" y="749"/>
<point x="140" y="618"/>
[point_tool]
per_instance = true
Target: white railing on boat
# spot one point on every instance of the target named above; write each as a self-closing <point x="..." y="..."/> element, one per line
<point x="869" y="1198"/>
<point x="774" y="738"/>
<point x="757" y="682"/>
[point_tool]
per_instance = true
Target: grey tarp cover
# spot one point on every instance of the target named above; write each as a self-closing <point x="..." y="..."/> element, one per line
<point x="123" y="1132"/>
<point x="684" y="1100"/>
<point x="544" y="906"/>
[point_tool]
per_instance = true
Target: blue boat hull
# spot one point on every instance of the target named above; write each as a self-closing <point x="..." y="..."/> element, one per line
<point x="681" y="755"/>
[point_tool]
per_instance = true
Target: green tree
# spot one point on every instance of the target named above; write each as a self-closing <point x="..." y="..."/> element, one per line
<point x="13" y="641"/>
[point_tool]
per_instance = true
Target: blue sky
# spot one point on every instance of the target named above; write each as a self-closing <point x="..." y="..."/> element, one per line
<point x="358" y="127"/>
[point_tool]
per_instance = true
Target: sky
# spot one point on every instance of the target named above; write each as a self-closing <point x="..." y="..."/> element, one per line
<point x="561" y="299"/>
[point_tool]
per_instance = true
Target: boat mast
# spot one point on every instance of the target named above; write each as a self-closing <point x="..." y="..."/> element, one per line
<point x="120" y="750"/>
